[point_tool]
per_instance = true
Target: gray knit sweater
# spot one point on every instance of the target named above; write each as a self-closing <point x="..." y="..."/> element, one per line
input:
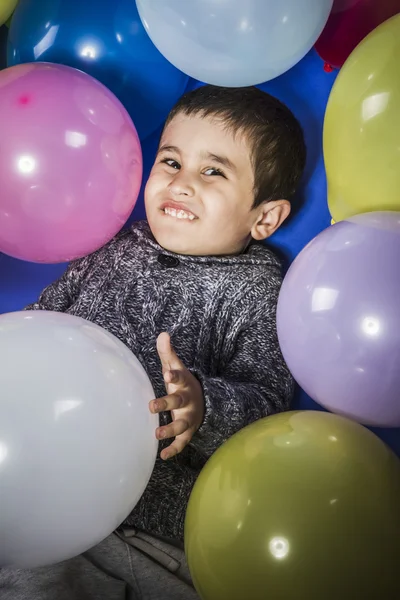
<point x="220" y="312"/>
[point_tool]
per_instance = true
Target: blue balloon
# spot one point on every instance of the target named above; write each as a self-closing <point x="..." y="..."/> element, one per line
<point x="106" y="39"/>
<point x="234" y="42"/>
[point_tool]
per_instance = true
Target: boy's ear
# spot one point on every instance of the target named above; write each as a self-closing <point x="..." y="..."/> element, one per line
<point x="270" y="216"/>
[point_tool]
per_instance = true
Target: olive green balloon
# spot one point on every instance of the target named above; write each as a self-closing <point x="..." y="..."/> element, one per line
<point x="7" y="8"/>
<point x="362" y="127"/>
<point x="303" y="505"/>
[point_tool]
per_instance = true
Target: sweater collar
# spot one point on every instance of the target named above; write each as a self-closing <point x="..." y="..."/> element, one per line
<point x="255" y="253"/>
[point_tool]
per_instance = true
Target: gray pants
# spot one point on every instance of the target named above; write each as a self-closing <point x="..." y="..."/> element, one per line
<point x="125" y="566"/>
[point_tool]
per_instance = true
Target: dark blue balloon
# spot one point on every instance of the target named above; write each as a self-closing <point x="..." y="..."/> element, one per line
<point x="106" y="39"/>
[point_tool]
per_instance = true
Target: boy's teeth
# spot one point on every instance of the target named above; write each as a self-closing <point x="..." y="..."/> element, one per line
<point x="179" y="214"/>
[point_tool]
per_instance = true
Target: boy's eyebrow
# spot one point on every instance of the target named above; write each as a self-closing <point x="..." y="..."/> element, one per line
<point x="168" y="148"/>
<point x="222" y="160"/>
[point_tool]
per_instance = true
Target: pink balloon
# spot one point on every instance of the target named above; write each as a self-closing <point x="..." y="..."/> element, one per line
<point x="70" y="163"/>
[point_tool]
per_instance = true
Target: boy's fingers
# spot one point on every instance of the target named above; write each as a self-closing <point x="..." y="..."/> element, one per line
<point x="171" y="402"/>
<point x="177" y="377"/>
<point x="169" y="358"/>
<point x="177" y="445"/>
<point x="172" y="429"/>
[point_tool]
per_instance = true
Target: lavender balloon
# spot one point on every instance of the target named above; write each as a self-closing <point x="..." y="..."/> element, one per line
<point x="338" y="318"/>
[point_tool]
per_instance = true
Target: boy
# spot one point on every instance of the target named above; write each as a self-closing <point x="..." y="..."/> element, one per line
<point x="193" y="293"/>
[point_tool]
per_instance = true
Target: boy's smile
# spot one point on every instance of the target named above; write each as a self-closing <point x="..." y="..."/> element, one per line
<point x="199" y="195"/>
<point x="177" y="210"/>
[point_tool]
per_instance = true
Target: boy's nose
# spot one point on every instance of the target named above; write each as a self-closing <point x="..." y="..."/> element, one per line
<point x="181" y="185"/>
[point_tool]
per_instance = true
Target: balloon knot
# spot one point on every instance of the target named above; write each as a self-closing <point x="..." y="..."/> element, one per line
<point x="328" y="68"/>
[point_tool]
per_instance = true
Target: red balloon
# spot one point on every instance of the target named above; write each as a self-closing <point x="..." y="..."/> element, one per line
<point x="350" y="22"/>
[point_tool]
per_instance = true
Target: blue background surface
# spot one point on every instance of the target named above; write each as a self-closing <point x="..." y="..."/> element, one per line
<point x="305" y="89"/>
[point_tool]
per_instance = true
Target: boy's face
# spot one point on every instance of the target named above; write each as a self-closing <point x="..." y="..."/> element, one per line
<point x="199" y="195"/>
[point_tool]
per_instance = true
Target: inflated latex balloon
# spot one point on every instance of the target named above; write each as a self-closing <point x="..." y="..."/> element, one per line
<point x="6" y="10"/>
<point x="106" y="39"/>
<point x="350" y="22"/>
<point x="235" y="42"/>
<point x="70" y="163"/>
<point x="77" y="443"/>
<point x="298" y="505"/>
<point x="362" y="127"/>
<point x="338" y="318"/>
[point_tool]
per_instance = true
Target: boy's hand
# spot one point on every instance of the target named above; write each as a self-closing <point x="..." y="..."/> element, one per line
<point x="185" y="400"/>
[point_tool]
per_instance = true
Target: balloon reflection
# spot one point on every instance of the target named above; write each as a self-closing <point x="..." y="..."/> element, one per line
<point x="89" y="51"/>
<point x="374" y="105"/>
<point x="323" y="299"/>
<point x="3" y="452"/>
<point x="43" y="45"/>
<point x="371" y="326"/>
<point x="63" y="406"/>
<point x="279" y="547"/>
<point x="74" y="139"/>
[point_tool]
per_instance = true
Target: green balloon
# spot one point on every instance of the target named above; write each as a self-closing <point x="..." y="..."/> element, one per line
<point x="303" y="505"/>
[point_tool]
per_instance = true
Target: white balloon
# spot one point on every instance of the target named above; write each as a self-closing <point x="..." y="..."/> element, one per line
<point x="77" y="439"/>
<point x="234" y="43"/>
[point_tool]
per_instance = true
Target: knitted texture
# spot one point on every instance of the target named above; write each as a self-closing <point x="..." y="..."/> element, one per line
<point x="220" y="313"/>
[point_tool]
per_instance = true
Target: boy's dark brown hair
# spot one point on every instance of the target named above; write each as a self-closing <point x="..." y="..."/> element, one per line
<point x="278" y="150"/>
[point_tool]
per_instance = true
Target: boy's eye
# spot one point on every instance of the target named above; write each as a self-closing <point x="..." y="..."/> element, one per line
<point x="214" y="172"/>
<point x="171" y="163"/>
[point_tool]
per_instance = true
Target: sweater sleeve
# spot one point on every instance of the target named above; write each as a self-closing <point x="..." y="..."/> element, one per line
<point x="63" y="292"/>
<point x="255" y="383"/>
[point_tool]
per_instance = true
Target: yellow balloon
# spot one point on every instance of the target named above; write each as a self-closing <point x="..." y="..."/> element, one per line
<point x="301" y="505"/>
<point x="7" y="8"/>
<point x="362" y="127"/>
